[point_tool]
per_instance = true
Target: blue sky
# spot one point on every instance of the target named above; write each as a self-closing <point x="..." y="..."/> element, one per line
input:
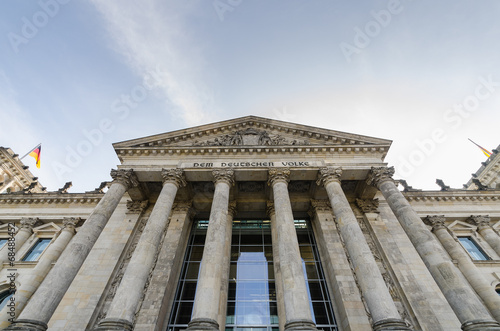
<point x="81" y="75"/>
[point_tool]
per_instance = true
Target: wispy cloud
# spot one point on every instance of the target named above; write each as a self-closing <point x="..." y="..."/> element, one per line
<point x="153" y="35"/>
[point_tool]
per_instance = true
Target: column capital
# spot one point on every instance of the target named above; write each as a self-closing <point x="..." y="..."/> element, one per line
<point x="278" y="175"/>
<point x="321" y="206"/>
<point x="436" y="221"/>
<point x="378" y="175"/>
<point x="232" y="210"/>
<point x="136" y="206"/>
<point x="270" y="208"/>
<point x="71" y="222"/>
<point x="328" y="174"/>
<point x="481" y="221"/>
<point x="29" y="222"/>
<point x="224" y="175"/>
<point x="368" y="205"/>
<point x="175" y="176"/>
<point x="125" y="177"/>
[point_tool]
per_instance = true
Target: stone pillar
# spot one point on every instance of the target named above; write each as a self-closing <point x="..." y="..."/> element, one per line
<point x="486" y="231"/>
<point x="42" y="268"/>
<point x="473" y="275"/>
<point x="20" y="238"/>
<point x="297" y="310"/>
<point x="128" y="295"/>
<point x="44" y="302"/>
<point x="384" y="313"/>
<point x="280" y="301"/>
<point x="207" y="298"/>
<point x="225" y="267"/>
<point x="462" y="299"/>
<point x="351" y="314"/>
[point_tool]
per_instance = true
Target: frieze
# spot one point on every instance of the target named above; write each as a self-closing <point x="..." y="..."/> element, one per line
<point x="253" y="164"/>
<point x="251" y="137"/>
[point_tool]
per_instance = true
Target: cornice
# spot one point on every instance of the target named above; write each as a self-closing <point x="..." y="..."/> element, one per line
<point x="463" y="195"/>
<point x="252" y="150"/>
<point x="47" y="198"/>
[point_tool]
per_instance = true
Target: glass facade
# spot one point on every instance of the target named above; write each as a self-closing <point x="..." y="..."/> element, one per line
<point x="37" y="250"/>
<point x="251" y="301"/>
<point x="251" y="304"/>
<point x="474" y="250"/>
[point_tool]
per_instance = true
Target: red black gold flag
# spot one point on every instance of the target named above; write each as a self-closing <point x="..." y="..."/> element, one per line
<point x="485" y="151"/>
<point x="36" y="154"/>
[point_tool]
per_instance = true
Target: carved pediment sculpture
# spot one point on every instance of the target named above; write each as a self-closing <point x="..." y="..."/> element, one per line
<point x="250" y="137"/>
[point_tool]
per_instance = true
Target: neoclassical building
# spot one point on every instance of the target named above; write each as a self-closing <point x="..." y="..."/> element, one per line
<point x="250" y="224"/>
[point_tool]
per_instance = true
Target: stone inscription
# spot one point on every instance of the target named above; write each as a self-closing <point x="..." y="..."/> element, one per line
<point x="252" y="164"/>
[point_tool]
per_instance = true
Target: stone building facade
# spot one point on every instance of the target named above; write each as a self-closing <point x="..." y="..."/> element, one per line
<point x="253" y="224"/>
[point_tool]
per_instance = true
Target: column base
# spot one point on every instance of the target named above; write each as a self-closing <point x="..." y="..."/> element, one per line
<point x="114" y="324"/>
<point x="483" y="325"/>
<point x="300" y="325"/>
<point x="391" y="324"/>
<point x="203" y="324"/>
<point x="27" y="325"/>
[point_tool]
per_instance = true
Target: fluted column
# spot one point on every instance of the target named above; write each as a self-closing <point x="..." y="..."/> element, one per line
<point x="473" y="275"/>
<point x="470" y="311"/>
<point x="280" y="302"/>
<point x="486" y="231"/>
<point x="207" y="298"/>
<point x="20" y="238"/>
<point x="128" y="295"/>
<point x="42" y="268"/>
<point x="225" y="266"/>
<point x="384" y="313"/>
<point x="44" y="302"/>
<point x="297" y="310"/>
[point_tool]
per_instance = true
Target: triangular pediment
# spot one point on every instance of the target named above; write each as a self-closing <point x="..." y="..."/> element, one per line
<point x="252" y="131"/>
<point x="48" y="227"/>
<point x="460" y="225"/>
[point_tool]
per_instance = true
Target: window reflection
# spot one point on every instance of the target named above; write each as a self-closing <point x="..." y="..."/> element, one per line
<point x="252" y="294"/>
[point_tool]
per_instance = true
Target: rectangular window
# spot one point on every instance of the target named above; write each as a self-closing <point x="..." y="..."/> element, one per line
<point x="2" y="242"/>
<point x="37" y="250"/>
<point x="473" y="248"/>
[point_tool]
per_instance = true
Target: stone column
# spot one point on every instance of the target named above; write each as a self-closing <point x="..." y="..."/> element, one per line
<point x="486" y="231"/>
<point x="207" y="298"/>
<point x="462" y="299"/>
<point x="297" y="310"/>
<point x="42" y="268"/>
<point x="351" y="313"/>
<point x="473" y="275"/>
<point x="20" y="238"/>
<point x="384" y="313"/>
<point x="225" y="267"/>
<point x="128" y="295"/>
<point x="280" y="301"/>
<point x="44" y="302"/>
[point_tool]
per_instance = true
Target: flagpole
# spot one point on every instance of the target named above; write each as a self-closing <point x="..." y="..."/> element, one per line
<point x="30" y="151"/>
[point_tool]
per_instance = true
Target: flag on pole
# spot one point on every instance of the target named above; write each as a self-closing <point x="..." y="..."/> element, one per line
<point x="485" y="151"/>
<point x="36" y="154"/>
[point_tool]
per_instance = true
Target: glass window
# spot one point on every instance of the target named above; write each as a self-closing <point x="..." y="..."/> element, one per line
<point x="473" y="248"/>
<point x="37" y="250"/>
<point x="251" y="302"/>
<point x="4" y="298"/>
<point x="319" y="298"/>
<point x="2" y="242"/>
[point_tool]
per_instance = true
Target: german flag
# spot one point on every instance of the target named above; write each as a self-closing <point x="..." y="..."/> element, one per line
<point x="36" y="154"/>
<point x="485" y="151"/>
